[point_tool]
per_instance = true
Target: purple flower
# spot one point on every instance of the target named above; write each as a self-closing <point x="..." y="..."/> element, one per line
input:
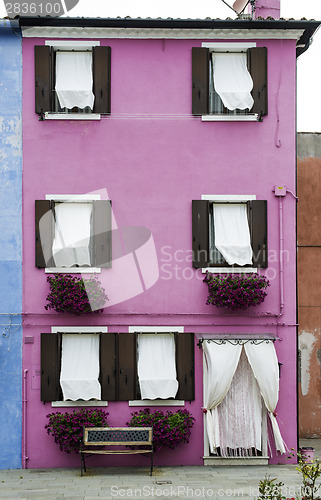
<point x="67" y="428"/>
<point x="236" y="291"/>
<point x="73" y="295"/>
<point x="169" y="429"/>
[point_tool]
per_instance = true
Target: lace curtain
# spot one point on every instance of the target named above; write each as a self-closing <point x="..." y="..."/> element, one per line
<point x="237" y="378"/>
<point x="221" y="362"/>
<point x="264" y="363"/>
<point x="241" y="414"/>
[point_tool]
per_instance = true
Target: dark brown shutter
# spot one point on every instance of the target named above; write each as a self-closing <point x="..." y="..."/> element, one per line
<point x="44" y="239"/>
<point x="50" y="366"/>
<point x="200" y="81"/>
<point x="127" y="371"/>
<point x="108" y="366"/>
<point x="185" y="366"/>
<point x="258" y="210"/>
<point x="257" y="64"/>
<point x="200" y="232"/>
<point x="102" y="80"/>
<point x="102" y="240"/>
<point x="42" y="78"/>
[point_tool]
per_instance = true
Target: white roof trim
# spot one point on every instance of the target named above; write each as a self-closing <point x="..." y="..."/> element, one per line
<point x="100" y="33"/>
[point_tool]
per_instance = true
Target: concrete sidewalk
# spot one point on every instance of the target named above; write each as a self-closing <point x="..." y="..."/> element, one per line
<point x="188" y="482"/>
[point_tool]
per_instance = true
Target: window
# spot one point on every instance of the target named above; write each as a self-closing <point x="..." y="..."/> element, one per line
<point x="72" y="364"/>
<point x="165" y="353"/>
<point x="229" y="80"/>
<point x="222" y="239"/>
<point x="72" y="78"/>
<point x="118" y="365"/>
<point x="73" y="233"/>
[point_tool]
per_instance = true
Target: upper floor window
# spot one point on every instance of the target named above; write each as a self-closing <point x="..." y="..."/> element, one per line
<point x="229" y="231"/>
<point x="229" y="81"/>
<point x="72" y="77"/>
<point x="73" y="233"/>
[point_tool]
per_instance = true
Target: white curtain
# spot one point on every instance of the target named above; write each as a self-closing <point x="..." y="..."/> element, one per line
<point x="74" y="80"/>
<point x="241" y="414"/>
<point x="232" y="233"/>
<point x="232" y="81"/>
<point x="221" y="362"/>
<point x="72" y="234"/>
<point x="263" y="360"/>
<point x="157" y="366"/>
<point x="80" y="367"/>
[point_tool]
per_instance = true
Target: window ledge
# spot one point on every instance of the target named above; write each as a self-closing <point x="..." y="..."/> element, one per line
<point x="61" y="404"/>
<point x="230" y="270"/>
<point x="230" y="118"/>
<point x="72" y="116"/>
<point x="73" y="270"/>
<point x="157" y="402"/>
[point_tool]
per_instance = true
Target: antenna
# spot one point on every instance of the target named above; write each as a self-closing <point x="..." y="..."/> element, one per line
<point x="240" y="5"/>
<point x="229" y="6"/>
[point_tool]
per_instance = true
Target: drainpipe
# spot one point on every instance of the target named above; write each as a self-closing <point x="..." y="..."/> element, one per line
<point x="281" y="258"/>
<point x="24" y="438"/>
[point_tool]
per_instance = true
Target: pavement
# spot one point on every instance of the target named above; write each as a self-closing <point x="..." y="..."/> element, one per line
<point x="181" y="482"/>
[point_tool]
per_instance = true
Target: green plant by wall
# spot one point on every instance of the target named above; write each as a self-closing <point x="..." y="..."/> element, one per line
<point x="269" y="489"/>
<point x="310" y="471"/>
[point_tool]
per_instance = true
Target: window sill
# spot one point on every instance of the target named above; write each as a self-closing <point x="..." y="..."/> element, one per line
<point x="157" y="402"/>
<point x="66" y="404"/>
<point x="224" y="270"/>
<point x="72" y="116"/>
<point x="230" y="118"/>
<point x="73" y="270"/>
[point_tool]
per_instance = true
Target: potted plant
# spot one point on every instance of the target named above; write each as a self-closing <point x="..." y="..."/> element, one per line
<point x="236" y="291"/>
<point x="74" y="295"/>
<point x="169" y="429"/>
<point x="67" y="428"/>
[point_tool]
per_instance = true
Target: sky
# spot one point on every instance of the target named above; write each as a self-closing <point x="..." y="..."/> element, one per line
<point x="309" y="63"/>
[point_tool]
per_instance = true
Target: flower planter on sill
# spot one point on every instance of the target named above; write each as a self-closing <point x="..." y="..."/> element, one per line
<point x="236" y="291"/>
<point x="74" y="295"/>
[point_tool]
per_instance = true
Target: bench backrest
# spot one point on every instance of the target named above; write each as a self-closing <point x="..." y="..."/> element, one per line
<point x="104" y="436"/>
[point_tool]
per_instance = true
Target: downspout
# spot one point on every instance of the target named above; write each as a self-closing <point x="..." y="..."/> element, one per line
<point x="24" y="438"/>
<point x="281" y="258"/>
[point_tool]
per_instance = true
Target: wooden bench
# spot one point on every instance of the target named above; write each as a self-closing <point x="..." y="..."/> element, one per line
<point x="103" y="437"/>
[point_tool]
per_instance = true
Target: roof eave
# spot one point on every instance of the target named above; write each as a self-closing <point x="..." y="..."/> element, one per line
<point x="309" y="26"/>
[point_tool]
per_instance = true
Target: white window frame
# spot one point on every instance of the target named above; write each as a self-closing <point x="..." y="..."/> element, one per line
<point x="72" y="45"/>
<point x="156" y="402"/>
<point x="222" y="198"/>
<point x="80" y="198"/>
<point x="229" y="47"/>
<point x="80" y="330"/>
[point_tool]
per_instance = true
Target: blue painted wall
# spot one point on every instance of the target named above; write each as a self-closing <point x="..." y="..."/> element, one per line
<point x="10" y="245"/>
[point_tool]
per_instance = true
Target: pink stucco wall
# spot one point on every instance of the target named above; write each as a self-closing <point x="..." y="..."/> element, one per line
<point x="153" y="157"/>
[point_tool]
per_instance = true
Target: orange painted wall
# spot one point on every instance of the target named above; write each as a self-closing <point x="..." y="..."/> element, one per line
<point x="309" y="283"/>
